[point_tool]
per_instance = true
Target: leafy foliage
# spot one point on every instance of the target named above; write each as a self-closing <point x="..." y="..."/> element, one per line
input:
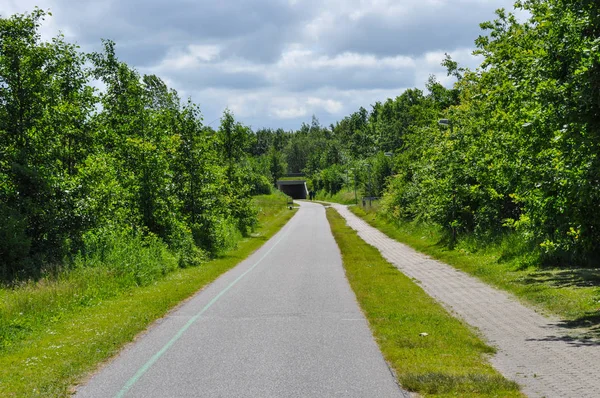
<point x="86" y="172"/>
<point x="518" y="153"/>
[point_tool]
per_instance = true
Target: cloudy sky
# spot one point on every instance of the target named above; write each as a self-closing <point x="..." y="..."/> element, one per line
<point x="275" y="63"/>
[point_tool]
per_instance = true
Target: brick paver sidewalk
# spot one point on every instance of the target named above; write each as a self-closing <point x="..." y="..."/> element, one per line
<point x="532" y="349"/>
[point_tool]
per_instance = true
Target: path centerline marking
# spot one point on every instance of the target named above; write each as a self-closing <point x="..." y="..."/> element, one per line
<point x="141" y="371"/>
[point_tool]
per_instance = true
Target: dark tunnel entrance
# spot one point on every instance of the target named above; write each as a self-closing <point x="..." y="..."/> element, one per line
<point x="295" y="189"/>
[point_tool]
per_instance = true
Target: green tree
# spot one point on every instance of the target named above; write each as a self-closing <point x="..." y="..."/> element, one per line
<point x="277" y="165"/>
<point x="44" y="106"/>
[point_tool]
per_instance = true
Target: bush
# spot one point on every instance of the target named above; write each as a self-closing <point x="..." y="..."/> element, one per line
<point x="259" y="185"/>
<point x="137" y="259"/>
<point x="181" y="241"/>
<point x="217" y="233"/>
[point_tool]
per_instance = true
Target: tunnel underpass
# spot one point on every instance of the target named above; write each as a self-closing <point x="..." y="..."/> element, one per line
<point x="296" y="189"/>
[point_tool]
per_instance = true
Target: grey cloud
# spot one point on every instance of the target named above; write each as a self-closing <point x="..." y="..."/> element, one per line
<point x="255" y="30"/>
<point x="349" y="79"/>
<point x="211" y="19"/>
<point x="141" y="54"/>
<point x="298" y="81"/>
<point x="213" y="77"/>
<point x="257" y="46"/>
<point x="447" y="28"/>
<point x="258" y="31"/>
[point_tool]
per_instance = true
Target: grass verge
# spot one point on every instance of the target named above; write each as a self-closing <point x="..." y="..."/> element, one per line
<point x="291" y="179"/>
<point x="573" y="294"/>
<point x="344" y="197"/>
<point x="66" y="327"/>
<point x="449" y="361"/>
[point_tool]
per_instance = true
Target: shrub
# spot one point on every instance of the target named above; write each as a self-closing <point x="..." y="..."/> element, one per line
<point x="138" y="259"/>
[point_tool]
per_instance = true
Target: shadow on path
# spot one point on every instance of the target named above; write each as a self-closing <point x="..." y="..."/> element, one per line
<point x="582" y="331"/>
<point x="573" y="277"/>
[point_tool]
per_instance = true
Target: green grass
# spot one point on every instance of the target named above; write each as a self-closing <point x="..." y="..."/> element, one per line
<point x="55" y="331"/>
<point x="344" y="197"/>
<point x="573" y="294"/>
<point x="291" y="179"/>
<point x="450" y="361"/>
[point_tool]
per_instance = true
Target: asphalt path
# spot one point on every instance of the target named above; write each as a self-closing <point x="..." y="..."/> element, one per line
<point x="283" y="323"/>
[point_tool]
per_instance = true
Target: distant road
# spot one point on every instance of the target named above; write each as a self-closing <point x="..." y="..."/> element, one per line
<point x="284" y="323"/>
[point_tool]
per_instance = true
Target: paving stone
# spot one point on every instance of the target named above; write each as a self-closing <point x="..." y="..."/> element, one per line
<point x="532" y="349"/>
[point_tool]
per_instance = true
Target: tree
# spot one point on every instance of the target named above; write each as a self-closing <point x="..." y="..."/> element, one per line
<point x="277" y="165"/>
<point x="44" y="105"/>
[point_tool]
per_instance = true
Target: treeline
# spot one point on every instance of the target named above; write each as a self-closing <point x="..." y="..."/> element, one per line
<point x="520" y="153"/>
<point x="516" y="153"/>
<point x="512" y="149"/>
<point x="92" y="176"/>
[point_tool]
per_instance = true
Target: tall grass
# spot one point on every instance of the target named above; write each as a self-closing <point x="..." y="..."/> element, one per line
<point x="344" y="196"/>
<point x="113" y="262"/>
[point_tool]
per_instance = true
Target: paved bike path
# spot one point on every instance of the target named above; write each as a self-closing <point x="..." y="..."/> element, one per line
<point x="283" y="323"/>
<point x="532" y="349"/>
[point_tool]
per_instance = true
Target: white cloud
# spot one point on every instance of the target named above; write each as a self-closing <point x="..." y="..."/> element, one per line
<point x="296" y="107"/>
<point x="9" y="7"/>
<point x="329" y="105"/>
<point x="275" y="63"/>
<point x="190" y="57"/>
<point x="204" y="53"/>
<point x="289" y="113"/>
<point x="49" y="28"/>
<point x="303" y="58"/>
<point x="241" y="106"/>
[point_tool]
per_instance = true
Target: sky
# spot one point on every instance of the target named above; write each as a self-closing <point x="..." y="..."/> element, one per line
<point x="275" y="63"/>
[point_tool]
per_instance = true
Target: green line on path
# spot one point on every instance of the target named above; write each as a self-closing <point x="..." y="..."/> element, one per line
<point x="189" y="323"/>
